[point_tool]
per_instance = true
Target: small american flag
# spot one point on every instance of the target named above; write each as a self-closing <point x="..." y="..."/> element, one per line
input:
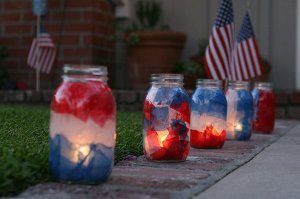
<point x="218" y="53"/>
<point x="246" y="61"/>
<point x="42" y="53"/>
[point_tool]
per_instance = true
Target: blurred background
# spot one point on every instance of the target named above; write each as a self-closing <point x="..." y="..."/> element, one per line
<point x="85" y="32"/>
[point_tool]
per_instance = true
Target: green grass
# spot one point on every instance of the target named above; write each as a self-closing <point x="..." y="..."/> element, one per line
<point x="24" y="145"/>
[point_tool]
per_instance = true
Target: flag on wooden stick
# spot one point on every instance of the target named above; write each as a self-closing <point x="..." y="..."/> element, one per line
<point x="246" y="61"/>
<point x="42" y="53"/>
<point x="218" y="53"/>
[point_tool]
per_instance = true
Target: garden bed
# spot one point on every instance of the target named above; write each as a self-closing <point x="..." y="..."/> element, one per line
<point x="24" y="145"/>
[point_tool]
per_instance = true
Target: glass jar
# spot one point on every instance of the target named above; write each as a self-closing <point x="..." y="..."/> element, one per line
<point x="239" y="111"/>
<point x="166" y="119"/>
<point x="264" y="107"/>
<point x="82" y="126"/>
<point x="208" y="115"/>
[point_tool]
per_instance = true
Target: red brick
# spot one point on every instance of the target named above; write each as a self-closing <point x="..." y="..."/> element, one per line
<point x="18" y="28"/>
<point x="295" y="98"/>
<point x="78" y="28"/>
<point x="293" y="112"/>
<point x="280" y="112"/>
<point x="53" y="27"/>
<point x="281" y="98"/>
<point x="88" y="16"/>
<point x="54" y="4"/>
<point x="28" y="16"/>
<point x="67" y="16"/>
<point x="66" y="39"/>
<point x="80" y="4"/>
<point x="8" y="41"/>
<point x="16" y="5"/>
<point x="88" y="40"/>
<point x="9" y="17"/>
<point x="73" y="52"/>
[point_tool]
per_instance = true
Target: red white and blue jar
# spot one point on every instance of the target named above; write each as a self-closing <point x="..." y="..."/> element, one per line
<point x="166" y="119"/>
<point x="239" y="111"/>
<point x="82" y="126"/>
<point x="208" y="115"/>
<point x="264" y="108"/>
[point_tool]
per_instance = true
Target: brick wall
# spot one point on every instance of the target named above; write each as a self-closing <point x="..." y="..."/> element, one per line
<point x="79" y="28"/>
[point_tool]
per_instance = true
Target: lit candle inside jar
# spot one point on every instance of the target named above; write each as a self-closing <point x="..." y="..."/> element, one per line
<point x="162" y="135"/>
<point x="207" y="131"/>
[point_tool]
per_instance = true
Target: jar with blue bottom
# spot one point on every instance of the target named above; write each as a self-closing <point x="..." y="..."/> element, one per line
<point x="82" y="126"/>
<point x="239" y="111"/>
<point x="208" y="115"/>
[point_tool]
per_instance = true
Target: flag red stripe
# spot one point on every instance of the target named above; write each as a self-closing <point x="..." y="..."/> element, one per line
<point x="258" y="56"/>
<point x="221" y="64"/>
<point x="42" y="53"/>
<point x="223" y="37"/>
<point x="256" y="73"/>
<point x="245" y="60"/>
<point x="240" y="65"/>
<point x="214" y="68"/>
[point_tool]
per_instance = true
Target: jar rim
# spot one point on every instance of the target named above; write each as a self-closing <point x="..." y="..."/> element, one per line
<point x="85" y="69"/>
<point x="238" y="83"/>
<point x="167" y="79"/>
<point x="263" y="84"/>
<point x="208" y="82"/>
<point x="84" y="72"/>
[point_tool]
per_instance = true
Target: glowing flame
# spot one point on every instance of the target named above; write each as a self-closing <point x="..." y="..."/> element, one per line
<point x="84" y="150"/>
<point x="162" y="135"/>
<point x="238" y="127"/>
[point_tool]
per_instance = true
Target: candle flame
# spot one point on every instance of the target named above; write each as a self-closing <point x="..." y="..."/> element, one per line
<point x="238" y="127"/>
<point x="84" y="150"/>
<point x="162" y="135"/>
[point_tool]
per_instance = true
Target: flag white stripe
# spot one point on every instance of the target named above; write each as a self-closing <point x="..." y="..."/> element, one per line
<point x="52" y="61"/>
<point x="242" y="64"/>
<point x="221" y="49"/>
<point x="216" y="58"/>
<point x="42" y="53"/>
<point x="253" y="51"/>
<point x="227" y="40"/>
<point x="42" y="59"/>
<point x="210" y="65"/>
<point x="248" y="59"/>
<point x="238" y="69"/>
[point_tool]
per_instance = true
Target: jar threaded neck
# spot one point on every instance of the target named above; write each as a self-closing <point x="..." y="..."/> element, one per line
<point x="167" y="79"/>
<point x="263" y="85"/>
<point x="239" y="85"/>
<point x="78" y="72"/>
<point x="209" y="83"/>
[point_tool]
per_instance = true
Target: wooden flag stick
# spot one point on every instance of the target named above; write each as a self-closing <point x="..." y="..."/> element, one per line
<point x="37" y="83"/>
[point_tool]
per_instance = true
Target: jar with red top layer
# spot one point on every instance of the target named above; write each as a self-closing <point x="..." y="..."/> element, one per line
<point x="264" y="108"/>
<point x="82" y="126"/>
<point x="208" y="115"/>
<point x="166" y="119"/>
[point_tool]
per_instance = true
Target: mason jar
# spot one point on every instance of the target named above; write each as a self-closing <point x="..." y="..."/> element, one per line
<point x="264" y="108"/>
<point x="166" y="119"/>
<point x="82" y="126"/>
<point x="208" y="114"/>
<point x="239" y="110"/>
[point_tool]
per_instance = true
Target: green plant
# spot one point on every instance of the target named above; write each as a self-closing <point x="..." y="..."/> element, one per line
<point x="202" y="47"/>
<point x="188" y="67"/>
<point x="148" y="13"/>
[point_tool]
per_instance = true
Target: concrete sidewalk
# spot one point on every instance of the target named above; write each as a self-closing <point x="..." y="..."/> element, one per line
<point x="274" y="173"/>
